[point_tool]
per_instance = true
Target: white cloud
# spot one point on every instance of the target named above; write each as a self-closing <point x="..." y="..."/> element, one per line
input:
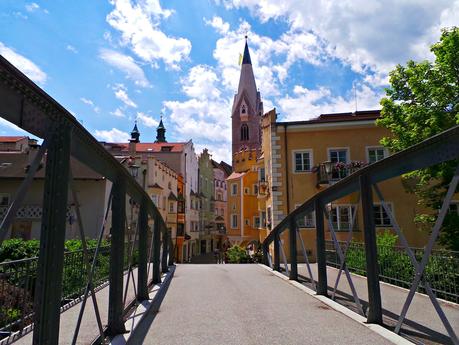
<point x="125" y="64"/>
<point x="118" y="113"/>
<point x="71" y="48"/>
<point x="113" y="135"/>
<point x="138" y="23"/>
<point x="20" y="15"/>
<point x="91" y="104"/>
<point x="218" y="24"/>
<point x="365" y="35"/>
<point x="31" y="7"/>
<point x="121" y="94"/>
<point x="147" y="120"/>
<point x="201" y="83"/>
<point x="307" y="104"/>
<point x="25" y="65"/>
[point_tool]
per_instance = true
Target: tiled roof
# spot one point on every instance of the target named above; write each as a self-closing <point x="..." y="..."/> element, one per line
<point x="11" y="139"/>
<point x="340" y="117"/>
<point x="149" y="147"/>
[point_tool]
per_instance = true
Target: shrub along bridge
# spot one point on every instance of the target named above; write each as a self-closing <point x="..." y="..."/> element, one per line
<point x="27" y="106"/>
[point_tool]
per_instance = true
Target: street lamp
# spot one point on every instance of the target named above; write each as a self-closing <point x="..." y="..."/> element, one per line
<point x="328" y="167"/>
<point x="134" y="170"/>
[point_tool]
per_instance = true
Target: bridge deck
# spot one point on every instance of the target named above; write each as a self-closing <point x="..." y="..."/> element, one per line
<point x="246" y="304"/>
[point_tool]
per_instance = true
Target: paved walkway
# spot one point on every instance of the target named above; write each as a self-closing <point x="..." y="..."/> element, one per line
<point x="246" y="304"/>
<point x="422" y="325"/>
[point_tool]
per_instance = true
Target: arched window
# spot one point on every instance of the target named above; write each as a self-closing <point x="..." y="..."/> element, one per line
<point x="244" y="132"/>
<point x="243" y="109"/>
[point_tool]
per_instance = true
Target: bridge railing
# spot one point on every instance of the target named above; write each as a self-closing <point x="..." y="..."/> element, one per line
<point x="441" y="148"/>
<point x="27" y="106"/>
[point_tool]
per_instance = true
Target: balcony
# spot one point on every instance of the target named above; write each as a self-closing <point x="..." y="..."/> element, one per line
<point x="263" y="190"/>
<point x="331" y="172"/>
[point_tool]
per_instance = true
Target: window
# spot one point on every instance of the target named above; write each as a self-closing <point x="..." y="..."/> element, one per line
<point x="234" y="221"/>
<point x="244" y="132"/>
<point x="233" y="207"/>
<point x="268" y="219"/>
<point x="243" y="109"/>
<point x="375" y="154"/>
<point x="341" y="216"/>
<point x="338" y="156"/>
<point x="164" y="202"/>
<point x="263" y="219"/>
<point x="233" y="189"/>
<point x="302" y="161"/>
<point x="171" y="207"/>
<point x="154" y="198"/>
<point x="247" y="221"/>
<point x="308" y="221"/>
<point x="256" y="222"/>
<point x="261" y="174"/>
<point x="169" y="185"/>
<point x="246" y="190"/>
<point x="380" y="215"/>
<point x="4" y="199"/>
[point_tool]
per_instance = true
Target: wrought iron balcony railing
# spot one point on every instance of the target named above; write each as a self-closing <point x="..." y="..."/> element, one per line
<point x="331" y="172"/>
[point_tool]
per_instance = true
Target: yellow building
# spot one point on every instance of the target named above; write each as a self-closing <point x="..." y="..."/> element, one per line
<point x="295" y="155"/>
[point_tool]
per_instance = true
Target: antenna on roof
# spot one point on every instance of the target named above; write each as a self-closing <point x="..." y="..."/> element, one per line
<point x="355" y="95"/>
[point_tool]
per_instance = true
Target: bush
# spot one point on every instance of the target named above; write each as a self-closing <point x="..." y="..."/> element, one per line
<point x="17" y="248"/>
<point x="237" y="255"/>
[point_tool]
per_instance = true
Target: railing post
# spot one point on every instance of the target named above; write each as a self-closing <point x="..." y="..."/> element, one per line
<point x="264" y="247"/>
<point x="322" y="286"/>
<point x="293" y="253"/>
<point x="374" y="314"/>
<point x="171" y="250"/>
<point x="164" y="263"/>
<point x="115" y="301"/>
<point x="156" y="251"/>
<point x="276" y="252"/>
<point x="142" y="279"/>
<point x="48" y="291"/>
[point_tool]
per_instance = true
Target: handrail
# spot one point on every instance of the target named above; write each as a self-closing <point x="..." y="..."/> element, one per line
<point x="437" y="149"/>
<point x="30" y="108"/>
<point x="31" y="101"/>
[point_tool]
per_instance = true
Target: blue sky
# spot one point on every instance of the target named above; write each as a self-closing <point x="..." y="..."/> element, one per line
<point x="111" y="62"/>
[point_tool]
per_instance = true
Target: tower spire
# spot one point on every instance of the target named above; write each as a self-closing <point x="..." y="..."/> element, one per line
<point x="246" y="58"/>
<point x="161" y="132"/>
<point x="135" y="134"/>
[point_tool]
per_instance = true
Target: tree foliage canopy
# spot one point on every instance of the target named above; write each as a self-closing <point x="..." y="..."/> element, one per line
<point x="423" y="100"/>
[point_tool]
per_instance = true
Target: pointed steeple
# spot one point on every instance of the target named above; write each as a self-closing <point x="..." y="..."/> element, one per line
<point x="135" y="134"/>
<point x="161" y="132"/>
<point x="247" y="80"/>
<point x="246" y="57"/>
<point x="247" y="108"/>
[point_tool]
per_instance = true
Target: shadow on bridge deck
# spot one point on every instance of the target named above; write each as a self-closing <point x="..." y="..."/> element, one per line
<point x="244" y="304"/>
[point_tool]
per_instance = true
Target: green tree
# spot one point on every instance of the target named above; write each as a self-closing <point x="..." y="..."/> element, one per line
<point x="423" y="100"/>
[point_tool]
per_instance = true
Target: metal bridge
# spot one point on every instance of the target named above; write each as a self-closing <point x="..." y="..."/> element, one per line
<point x="274" y="311"/>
